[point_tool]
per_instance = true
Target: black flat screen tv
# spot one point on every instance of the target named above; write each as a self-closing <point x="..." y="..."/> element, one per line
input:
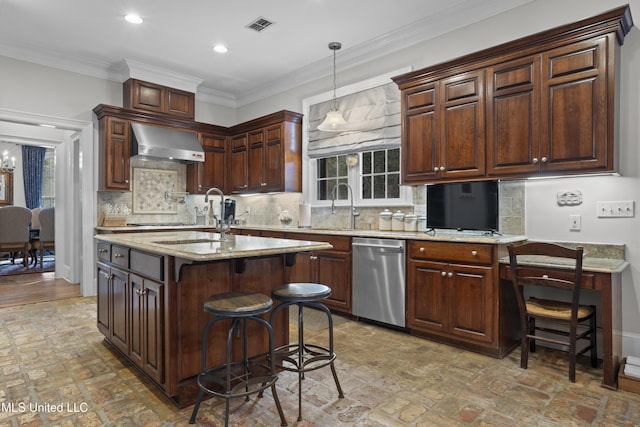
<point x="463" y="206"/>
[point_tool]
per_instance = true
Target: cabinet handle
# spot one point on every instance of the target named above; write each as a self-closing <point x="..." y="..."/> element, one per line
<point x="106" y="276"/>
<point x="102" y="251"/>
<point x="118" y="255"/>
<point x="436" y="169"/>
<point x="126" y="180"/>
<point x="313" y="257"/>
<point x="544" y="160"/>
<point x="449" y="274"/>
<point x="142" y="291"/>
<point x="422" y="250"/>
<point x="474" y="253"/>
<point x="263" y="184"/>
<point x="441" y="168"/>
<point x="443" y="273"/>
<point x="535" y="160"/>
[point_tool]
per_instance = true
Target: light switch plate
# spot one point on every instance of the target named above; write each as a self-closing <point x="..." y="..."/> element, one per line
<point x="575" y="222"/>
<point x="620" y="209"/>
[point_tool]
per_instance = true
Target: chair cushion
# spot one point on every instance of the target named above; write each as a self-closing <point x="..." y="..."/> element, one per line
<point x="555" y="309"/>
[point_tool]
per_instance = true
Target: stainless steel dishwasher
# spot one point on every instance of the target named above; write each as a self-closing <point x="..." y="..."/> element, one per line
<point x="378" y="280"/>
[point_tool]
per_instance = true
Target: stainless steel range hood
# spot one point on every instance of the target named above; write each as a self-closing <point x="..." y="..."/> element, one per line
<point x="156" y="142"/>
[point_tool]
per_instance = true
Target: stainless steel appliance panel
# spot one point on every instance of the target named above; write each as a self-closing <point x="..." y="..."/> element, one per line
<point x="379" y="280"/>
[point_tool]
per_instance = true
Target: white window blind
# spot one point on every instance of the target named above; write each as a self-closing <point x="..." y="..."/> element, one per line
<point x="373" y="122"/>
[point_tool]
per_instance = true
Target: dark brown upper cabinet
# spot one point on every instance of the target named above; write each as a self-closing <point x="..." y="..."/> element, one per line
<point x="540" y="105"/>
<point x="141" y="95"/>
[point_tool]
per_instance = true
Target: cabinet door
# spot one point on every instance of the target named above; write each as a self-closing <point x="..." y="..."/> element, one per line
<point x="575" y="111"/>
<point x="180" y="103"/>
<point x="239" y="163"/>
<point x="427" y="308"/>
<point x="213" y="171"/>
<point x="153" y="326"/>
<point x="256" y="160"/>
<point x="420" y="134"/>
<point x="147" y="305"/>
<point x="462" y="127"/>
<point x="302" y="271"/>
<point x="104" y="300"/>
<point x="513" y="110"/>
<point x="117" y="153"/>
<point x="148" y="96"/>
<point x="120" y="309"/>
<point x="273" y="159"/>
<point x="334" y="270"/>
<point x="471" y="302"/>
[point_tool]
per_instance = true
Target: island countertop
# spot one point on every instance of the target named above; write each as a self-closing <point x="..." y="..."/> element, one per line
<point x="204" y="246"/>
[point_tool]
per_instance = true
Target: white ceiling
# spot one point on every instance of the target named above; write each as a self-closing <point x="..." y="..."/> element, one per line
<point x="91" y="37"/>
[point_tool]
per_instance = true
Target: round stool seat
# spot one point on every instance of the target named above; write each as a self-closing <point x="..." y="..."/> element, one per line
<point x="302" y="292"/>
<point x="237" y="304"/>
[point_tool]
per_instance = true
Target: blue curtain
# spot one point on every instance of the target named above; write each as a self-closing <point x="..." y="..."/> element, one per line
<point x="32" y="168"/>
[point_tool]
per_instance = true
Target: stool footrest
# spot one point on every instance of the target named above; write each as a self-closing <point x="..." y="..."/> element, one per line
<point x="253" y="379"/>
<point x="311" y="357"/>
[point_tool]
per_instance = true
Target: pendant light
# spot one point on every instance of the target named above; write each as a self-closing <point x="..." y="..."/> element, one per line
<point x="334" y="122"/>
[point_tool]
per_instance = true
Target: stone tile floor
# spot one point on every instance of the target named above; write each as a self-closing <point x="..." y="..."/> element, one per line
<point x="55" y="371"/>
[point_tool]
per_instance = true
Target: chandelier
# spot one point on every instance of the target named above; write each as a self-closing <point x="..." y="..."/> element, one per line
<point x="5" y="166"/>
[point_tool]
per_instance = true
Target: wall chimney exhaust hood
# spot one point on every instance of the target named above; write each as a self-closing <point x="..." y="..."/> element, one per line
<point x="155" y="142"/>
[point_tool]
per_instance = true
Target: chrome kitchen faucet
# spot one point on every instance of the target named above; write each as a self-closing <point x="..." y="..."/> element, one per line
<point x="220" y="225"/>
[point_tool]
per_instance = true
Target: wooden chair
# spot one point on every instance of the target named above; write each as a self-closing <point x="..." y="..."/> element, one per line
<point x="14" y="231"/>
<point x="47" y="235"/>
<point x="555" y="312"/>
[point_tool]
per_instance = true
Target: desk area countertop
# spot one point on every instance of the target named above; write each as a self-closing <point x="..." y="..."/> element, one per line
<point x="203" y="246"/>
<point x="596" y="265"/>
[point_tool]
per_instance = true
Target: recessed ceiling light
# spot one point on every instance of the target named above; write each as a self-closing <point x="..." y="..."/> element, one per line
<point x="220" y="48"/>
<point x="133" y="18"/>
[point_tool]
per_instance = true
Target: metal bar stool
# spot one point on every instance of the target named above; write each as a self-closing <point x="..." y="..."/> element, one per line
<point x="237" y="378"/>
<point x="303" y="357"/>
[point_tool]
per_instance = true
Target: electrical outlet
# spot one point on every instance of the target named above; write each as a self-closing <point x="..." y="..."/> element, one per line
<point x="574" y="222"/>
<point x="615" y="209"/>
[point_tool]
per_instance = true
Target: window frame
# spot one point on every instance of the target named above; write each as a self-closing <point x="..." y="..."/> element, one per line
<point x="354" y="179"/>
<point x="309" y="189"/>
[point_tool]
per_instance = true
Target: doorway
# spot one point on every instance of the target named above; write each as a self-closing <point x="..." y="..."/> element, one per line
<point x="75" y="184"/>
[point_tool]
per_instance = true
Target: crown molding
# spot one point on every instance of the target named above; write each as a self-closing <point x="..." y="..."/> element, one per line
<point x="150" y="73"/>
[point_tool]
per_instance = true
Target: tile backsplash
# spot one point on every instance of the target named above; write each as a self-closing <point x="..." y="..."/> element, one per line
<point x="264" y="209"/>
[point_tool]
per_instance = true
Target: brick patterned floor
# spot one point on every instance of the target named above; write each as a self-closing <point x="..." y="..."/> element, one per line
<point x="55" y="371"/>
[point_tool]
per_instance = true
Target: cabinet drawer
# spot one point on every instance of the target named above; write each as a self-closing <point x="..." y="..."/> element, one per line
<point x="149" y="265"/>
<point x="340" y="243"/>
<point x="120" y="256"/>
<point x="453" y="252"/>
<point x="104" y="252"/>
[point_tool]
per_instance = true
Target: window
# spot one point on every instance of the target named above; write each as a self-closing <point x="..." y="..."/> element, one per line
<point x="380" y="174"/>
<point x="373" y="175"/>
<point x="49" y="179"/>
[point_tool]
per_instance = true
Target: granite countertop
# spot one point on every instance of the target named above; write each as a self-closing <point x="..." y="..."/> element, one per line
<point x="593" y="264"/>
<point x="203" y="246"/>
<point x="135" y="228"/>
<point x="439" y="235"/>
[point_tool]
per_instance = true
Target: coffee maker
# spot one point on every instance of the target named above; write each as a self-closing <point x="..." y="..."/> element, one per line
<point x="229" y="210"/>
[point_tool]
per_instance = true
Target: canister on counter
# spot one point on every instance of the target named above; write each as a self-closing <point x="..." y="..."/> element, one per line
<point x="384" y="221"/>
<point x="397" y="221"/>
<point x="421" y="223"/>
<point x="410" y="222"/>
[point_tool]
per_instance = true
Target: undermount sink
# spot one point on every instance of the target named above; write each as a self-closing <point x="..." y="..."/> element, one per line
<point x="187" y="242"/>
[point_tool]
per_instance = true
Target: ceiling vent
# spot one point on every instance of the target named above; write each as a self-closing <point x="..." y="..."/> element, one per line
<point x="259" y="24"/>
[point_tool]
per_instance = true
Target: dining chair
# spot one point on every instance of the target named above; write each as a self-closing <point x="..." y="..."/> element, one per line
<point x="47" y="235"/>
<point x="560" y="316"/>
<point x="14" y="231"/>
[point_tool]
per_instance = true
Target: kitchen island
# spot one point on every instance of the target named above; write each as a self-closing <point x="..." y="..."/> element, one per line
<point x="151" y="288"/>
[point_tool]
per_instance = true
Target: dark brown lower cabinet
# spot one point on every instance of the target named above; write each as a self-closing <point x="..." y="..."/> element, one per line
<point x="454" y="296"/>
